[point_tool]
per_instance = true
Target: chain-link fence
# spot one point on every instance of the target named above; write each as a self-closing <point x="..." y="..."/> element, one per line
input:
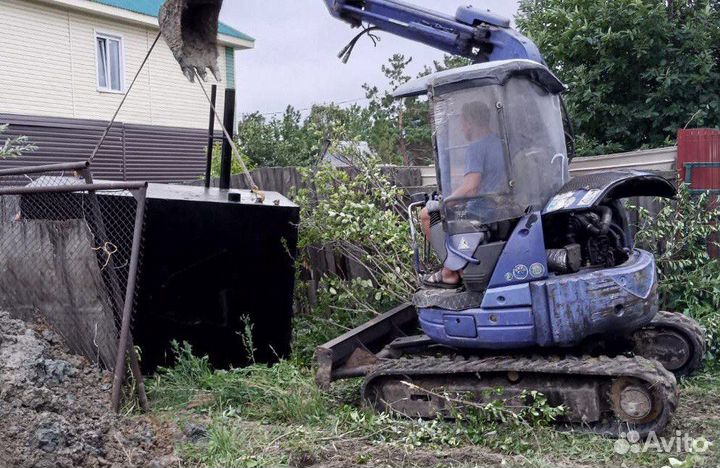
<point x="69" y="250"/>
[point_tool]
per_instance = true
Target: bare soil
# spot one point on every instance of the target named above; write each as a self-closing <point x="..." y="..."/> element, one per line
<point x="54" y="409"/>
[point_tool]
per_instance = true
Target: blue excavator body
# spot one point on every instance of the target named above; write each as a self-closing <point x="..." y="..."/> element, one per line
<point x="553" y="296"/>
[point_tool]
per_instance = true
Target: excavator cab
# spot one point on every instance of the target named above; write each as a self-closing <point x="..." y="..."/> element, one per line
<point x="500" y="155"/>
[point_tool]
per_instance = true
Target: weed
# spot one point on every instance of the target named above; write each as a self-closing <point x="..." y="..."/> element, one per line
<point x="279" y="393"/>
<point x="246" y="335"/>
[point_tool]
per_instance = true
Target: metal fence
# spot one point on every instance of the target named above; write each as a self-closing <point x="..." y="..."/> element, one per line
<point x="699" y="159"/>
<point x="132" y="152"/>
<point x="69" y="254"/>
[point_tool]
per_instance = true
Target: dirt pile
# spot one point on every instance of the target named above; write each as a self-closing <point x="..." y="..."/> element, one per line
<point x="54" y="409"/>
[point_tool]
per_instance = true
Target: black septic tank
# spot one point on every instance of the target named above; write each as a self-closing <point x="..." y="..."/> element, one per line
<point x="212" y="269"/>
<point x="216" y="269"/>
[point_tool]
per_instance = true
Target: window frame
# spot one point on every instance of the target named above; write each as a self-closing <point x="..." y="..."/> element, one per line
<point x="121" y="46"/>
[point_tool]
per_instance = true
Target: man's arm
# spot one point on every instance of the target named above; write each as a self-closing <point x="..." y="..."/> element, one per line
<point x="470" y="186"/>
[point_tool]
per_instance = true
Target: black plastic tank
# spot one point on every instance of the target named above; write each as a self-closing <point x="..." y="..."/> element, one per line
<point x="214" y="268"/>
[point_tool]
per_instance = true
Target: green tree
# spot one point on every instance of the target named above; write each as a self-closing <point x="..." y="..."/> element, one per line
<point x="397" y="131"/>
<point x="275" y="142"/>
<point x="637" y="69"/>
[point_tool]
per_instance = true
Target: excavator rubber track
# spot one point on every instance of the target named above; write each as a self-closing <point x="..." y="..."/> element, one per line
<point x="601" y="395"/>
<point x="673" y="339"/>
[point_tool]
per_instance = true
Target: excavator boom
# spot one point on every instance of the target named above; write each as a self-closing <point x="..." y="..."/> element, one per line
<point x="479" y="35"/>
<point x="190" y="28"/>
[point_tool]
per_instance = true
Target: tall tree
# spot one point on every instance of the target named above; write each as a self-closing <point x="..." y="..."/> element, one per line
<point x="637" y="69"/>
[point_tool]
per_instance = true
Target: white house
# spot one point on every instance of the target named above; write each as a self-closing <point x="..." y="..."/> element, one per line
<point x="66" y="64"/>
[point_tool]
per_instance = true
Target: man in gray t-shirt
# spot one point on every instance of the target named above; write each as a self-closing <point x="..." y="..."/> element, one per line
<point x="484" y="162"/>
<point x="485" y="172"/>
<point x="485" y="157"/>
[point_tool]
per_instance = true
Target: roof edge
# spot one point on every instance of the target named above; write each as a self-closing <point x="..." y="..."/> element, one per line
<point x="140" y="19"/>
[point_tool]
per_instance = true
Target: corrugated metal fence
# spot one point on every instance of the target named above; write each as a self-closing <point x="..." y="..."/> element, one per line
<point x="699" y="165"/>
<point x="699" y="158"/>
<point x="131" y="152"/>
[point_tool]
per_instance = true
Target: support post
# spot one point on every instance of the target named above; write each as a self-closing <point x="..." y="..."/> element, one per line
<point x="101" y="232"/>
<point x="211" y="138"/>
<point x="229" y="122"/>
<point x="124" y="342"/>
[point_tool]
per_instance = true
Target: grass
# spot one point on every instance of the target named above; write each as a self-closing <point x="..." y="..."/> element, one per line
<point x="275" y="416"/>
<point x="281" y="393"/>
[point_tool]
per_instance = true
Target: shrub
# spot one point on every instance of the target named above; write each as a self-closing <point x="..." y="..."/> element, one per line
<point x="680" y="235"/>
<point x="355" y="214"/>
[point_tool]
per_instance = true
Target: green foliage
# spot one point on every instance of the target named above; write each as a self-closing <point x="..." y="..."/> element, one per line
<point x="235" y="166"/>
<point x="637" y="69"/>
<point x="283" y="141"/>
<point x="14" y="147"/>
<point x="356" y="214"/>
<point x="281" y="393"/>
<point x="351" y="213"/>
<point x="680" y="235"/>
<point x="398" y="132"/>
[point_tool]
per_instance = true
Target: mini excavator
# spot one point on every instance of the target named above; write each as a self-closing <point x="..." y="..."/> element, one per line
<point x="554" y="296"/>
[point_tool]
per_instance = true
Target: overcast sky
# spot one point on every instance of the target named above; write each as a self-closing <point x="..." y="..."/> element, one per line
<point x="295" y="57"/>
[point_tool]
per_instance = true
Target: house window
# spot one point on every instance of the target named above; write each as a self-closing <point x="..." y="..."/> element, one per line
<point x="110" y="66"/>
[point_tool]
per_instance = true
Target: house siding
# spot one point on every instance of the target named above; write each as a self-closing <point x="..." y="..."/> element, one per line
<point x="48" y="68"/>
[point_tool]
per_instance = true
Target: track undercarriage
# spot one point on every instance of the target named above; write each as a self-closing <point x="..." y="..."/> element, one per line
<point x="606" y="386"/>
<point x="600" y="395"/>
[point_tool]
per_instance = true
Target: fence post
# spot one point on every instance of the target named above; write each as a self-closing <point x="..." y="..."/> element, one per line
<point x="119" y="375"/>
<point x="99" y="225"/>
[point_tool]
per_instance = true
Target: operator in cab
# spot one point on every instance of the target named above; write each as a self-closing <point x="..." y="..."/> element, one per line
<point x="485" y="172"/>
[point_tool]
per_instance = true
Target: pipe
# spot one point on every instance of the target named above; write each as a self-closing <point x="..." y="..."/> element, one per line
<point x="413" y="233"/>
<point x="119" y="371"/>
<point x="74" y="188"/>
<point x="211" y="137"/>
<point x="69" y="166"/>
<point x="605" y="220"/>
<point x="229" y="123"/>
